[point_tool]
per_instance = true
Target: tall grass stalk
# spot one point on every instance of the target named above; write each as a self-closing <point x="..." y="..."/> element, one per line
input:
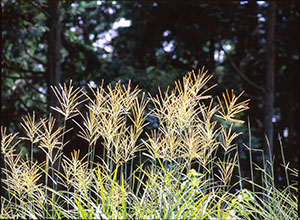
<point x="285" y="165"/>
<point x="250" y="155"/>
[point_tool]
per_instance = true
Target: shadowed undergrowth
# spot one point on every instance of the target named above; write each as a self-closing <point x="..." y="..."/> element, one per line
<point x="184" y="168"/>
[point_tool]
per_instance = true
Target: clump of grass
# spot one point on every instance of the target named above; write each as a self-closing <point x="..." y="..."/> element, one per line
<point x="179" y="174"/>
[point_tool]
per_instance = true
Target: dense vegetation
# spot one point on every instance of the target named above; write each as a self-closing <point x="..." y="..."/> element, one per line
<point x="183" y="175"/>
<point x="247" y="46"/>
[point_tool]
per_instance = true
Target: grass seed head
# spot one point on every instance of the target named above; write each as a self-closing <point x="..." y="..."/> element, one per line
<point x="232" y="108"/>
<point x="31" y="128"/>
<point x="68" y="100"/>
<point x="7" y="145"/>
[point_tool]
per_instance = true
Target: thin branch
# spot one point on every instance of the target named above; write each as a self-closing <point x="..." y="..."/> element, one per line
<point x="35" y="89"/>
<point x="20" y="77"/>
<point x="242" y="74"/>
<point x="35" y="58"/>
<point x="19" y="69"/>
<point x="39" y="8"/>
<point x="259" y="98"/>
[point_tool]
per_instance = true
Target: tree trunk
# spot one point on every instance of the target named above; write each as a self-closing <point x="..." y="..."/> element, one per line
<point x="269" y="85"/>
<point x="54" y="66"/>
<point x="54" y="45"/>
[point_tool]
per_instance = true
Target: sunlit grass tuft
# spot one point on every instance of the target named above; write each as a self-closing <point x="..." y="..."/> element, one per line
<point x="183" y="169"/>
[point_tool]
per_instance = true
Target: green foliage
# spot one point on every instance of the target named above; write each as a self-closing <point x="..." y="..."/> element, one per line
<point x="183" y="177"/>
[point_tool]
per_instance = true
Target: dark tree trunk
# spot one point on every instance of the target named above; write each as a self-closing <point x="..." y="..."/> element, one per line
<point x="54" y="45"/>
<point x="269" y="84"/>
<point x="54" y="62"/>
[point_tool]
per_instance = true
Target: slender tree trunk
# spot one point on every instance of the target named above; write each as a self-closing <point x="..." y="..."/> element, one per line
<point x="54" y="45"/>
<point x="269" y="84"/>
<point x="54" y="59"/>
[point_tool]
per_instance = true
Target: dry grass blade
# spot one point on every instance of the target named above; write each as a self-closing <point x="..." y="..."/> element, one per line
<point x="98" y="105"/>
<point x="228" y="137"/>
<point x="192" y="145"/>
<point x="13" y="174"/>
<point x="92" y="125"/>
<point x="177" y="113"/>
<point x="226" y="169"/>
<point x="6" y="140"/>
<point x="208" y="132"/>
<point x="108" y="115"/>
<point x="232" y="108"/>
<point x="138" y="113"/>
<point x="30" y="177"/>
<point x="50" y="138"/>
<point x="31" y="128"/>
<point x="22" y="180"/>
<point x="155" y="146"/>
<point x="76" y="172"/>
<point x="193" y="83"/>
<point x="180" y="106"/>
<point x="68" y="100"/>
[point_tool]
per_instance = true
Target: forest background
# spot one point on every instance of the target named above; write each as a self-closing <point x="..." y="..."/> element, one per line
<point x="247" y="46"/>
